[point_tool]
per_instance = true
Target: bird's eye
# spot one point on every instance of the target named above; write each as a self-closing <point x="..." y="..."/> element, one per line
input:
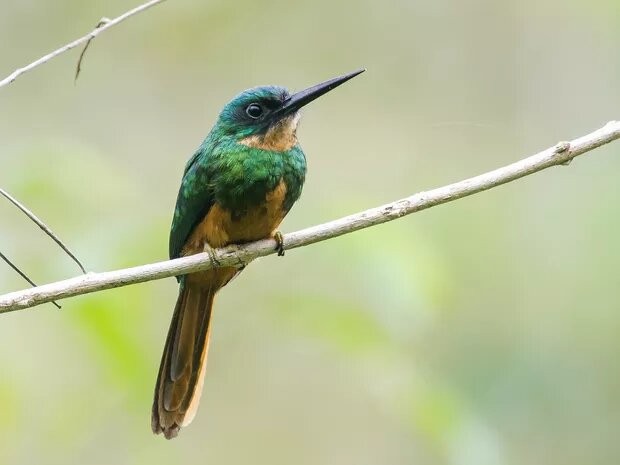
<point x="254" y="110"/>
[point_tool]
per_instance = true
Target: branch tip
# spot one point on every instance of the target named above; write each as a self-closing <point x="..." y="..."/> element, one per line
<point x="43" y="226"/>
<point x="78" y="67"/>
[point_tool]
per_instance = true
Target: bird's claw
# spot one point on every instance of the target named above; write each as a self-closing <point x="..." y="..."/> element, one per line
<point x="212" y="256"/>
<point x="279" y="243"/>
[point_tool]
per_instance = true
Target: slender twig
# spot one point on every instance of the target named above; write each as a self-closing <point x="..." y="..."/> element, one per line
<point x="21" y="273"/>
<point x="561" y="154"/>
<point x="41" y="225"/>
<point x="78" y="68"/>
<point x="85" y="39"/>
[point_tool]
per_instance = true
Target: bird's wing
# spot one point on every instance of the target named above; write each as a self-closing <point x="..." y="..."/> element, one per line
<point x="193" y="202"/>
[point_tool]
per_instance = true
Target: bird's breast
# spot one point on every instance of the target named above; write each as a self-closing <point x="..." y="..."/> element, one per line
<point x="220" y="227"/>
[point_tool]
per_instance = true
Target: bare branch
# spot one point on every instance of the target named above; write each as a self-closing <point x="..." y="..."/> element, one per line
<point x="85" y="39"/>
<point x="41" y="225"/>
<point x="21" y="273"/>
<point x="560" y="154"/>
<point x="78" y="68"/>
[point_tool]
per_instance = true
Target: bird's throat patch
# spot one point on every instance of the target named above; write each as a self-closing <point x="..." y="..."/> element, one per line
<point x="280" y="137"/>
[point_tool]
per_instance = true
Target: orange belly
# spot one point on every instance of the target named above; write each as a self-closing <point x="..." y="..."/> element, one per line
<point x="219" y="229"/>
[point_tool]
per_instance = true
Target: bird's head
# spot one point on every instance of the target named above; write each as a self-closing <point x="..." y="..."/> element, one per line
<point x="266" y="117"/>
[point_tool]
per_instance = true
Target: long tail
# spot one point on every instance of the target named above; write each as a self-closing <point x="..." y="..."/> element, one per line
<point x="182" y="369"/>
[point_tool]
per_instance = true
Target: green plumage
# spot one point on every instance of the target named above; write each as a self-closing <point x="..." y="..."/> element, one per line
<point x="223" y="170"/>
<point x="238" y="186"/>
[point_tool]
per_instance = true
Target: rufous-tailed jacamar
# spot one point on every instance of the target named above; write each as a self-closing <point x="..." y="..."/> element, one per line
<point x="236" y="188"/>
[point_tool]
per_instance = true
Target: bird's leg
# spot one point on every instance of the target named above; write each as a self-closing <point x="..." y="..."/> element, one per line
<point x="280" y="243"/>
<point x="207" y="248"/>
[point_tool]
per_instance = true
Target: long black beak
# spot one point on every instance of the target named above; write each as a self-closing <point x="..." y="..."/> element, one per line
<point x="304" y="97"/>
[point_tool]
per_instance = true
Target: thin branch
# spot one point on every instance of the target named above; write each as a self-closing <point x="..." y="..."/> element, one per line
<point x="41" y="225"/>
<point x="21" y="273"/>
<point x="561" y="154"/>
<point x="85" y="39"/>
<point x="78" y="68"/>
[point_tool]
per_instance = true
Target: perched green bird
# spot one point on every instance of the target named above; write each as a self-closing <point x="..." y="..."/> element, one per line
<point x="236" y="188"/>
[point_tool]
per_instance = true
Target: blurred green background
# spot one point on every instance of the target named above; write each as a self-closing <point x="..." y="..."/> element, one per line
<point x="480" y="332"/>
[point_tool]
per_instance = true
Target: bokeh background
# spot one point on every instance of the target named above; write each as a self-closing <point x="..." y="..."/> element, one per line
<point x="480" y="332"/>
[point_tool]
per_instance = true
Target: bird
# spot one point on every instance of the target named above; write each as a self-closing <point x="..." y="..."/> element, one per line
<point x="236" y="188"/>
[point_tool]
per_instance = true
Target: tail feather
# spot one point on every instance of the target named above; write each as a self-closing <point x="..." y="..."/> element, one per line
<point x="181" y="373"/>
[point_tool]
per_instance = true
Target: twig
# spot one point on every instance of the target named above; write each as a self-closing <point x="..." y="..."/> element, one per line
<point x="85" y="39"/>
<point x="21" y="273"/>
<point x="41" y="225"/>
<point x="560" y="154"/>
<point x="102" y="22"/>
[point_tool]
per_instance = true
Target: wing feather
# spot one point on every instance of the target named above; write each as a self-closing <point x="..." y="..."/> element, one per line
<point x="194" y="201"/>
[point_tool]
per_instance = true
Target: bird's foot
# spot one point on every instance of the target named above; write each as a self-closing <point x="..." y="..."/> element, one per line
<point x="207" y="248"/>
<point x="279" y="243"/>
